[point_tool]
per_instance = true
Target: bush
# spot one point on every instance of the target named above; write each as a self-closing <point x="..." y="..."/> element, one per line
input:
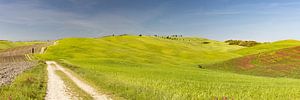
<point x="242" y="43"/>
<point x="205" y="42"/>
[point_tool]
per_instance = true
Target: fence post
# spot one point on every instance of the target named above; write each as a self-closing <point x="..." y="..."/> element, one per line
<point x="32" y="50"/>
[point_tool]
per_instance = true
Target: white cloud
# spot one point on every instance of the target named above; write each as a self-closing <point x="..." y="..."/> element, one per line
<point x="30" y="19"/>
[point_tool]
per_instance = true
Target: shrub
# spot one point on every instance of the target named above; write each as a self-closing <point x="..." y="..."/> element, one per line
<point x="242" y="43"/>
<point x="205" y="42"/>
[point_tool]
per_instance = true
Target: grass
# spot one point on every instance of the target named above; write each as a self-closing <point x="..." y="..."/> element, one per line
<point x="76" y="91"/>
<point x="31" y="84"/>
<point x="144" y="49"/>
<point x="265" y="47"/>
<point x="159" y="82"/>
<point x="143" y="68"/>
<point x="280" y="63"/>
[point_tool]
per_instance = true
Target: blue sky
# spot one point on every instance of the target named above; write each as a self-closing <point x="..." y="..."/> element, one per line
<point x="262" y="20"/>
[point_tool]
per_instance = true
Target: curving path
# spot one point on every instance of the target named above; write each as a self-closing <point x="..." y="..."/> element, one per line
<point x="57" y="89"/>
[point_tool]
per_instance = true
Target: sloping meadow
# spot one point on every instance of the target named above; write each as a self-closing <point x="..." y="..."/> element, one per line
<point x="279" y="63"/>
<point x="145" y="67"/>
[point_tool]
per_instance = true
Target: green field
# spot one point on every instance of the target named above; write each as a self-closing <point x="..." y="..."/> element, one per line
<point x="279" y="63"/>
<point x="133" y="67"/>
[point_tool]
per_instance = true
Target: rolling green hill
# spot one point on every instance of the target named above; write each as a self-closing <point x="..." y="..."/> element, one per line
<point x="156" y="68"/>
<point x="279" y="63"/>
<point x="143" y="49"/>
<point x="276" y="59"/>
<point x="265" y="47"/>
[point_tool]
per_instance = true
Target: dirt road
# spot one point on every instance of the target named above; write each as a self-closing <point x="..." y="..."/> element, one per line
<point x="57" y="89"/>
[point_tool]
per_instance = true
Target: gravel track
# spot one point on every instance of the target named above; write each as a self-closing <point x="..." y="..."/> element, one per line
<point x="57" y="87"/>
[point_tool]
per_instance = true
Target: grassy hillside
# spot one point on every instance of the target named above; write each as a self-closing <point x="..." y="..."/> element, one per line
<point x="135" y="67"/>
<point x="276" y="59"/>
<point x="151" y="50"/>
<point x="280" y="63"/>
<point x="268" y="47"/>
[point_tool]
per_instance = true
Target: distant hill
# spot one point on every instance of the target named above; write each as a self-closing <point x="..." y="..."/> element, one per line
<point x="146" y="48"/>
<point x="4" y="44"/>
<point x="265" y="47"/>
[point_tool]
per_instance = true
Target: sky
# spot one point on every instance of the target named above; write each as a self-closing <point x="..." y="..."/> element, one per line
<point x="261" y="20"/>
